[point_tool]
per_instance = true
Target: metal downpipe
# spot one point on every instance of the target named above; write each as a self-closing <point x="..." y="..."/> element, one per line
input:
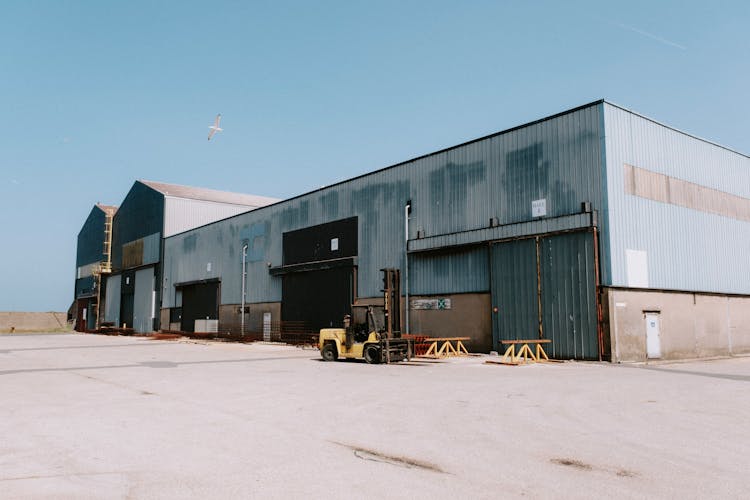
<point x="407" y="210"/>
<point x="244" y="278"/>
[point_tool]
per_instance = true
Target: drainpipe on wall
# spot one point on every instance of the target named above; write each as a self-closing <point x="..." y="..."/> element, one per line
<point x="407" y="211"/>
<point x="244" y="278"/>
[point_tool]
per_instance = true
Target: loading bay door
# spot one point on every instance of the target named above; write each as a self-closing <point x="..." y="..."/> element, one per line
<point x="319" y="275"/>
<point x="199" y="301"/>
<point x="545" y="287"/>
<point x="318" y="299"/>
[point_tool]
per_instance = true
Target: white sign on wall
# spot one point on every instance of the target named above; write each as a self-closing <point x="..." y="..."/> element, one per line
<point x="334" y="244"/>
<point x="431" y="304"/>
<point x="539" y="208"/>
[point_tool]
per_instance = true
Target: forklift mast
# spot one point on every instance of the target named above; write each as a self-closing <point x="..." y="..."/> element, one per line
<point x="392" y="302"/>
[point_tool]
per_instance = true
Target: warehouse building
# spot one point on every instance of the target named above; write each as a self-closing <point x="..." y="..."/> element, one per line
<point x="150" y="212"/>
<point x="93" y="261"/>
<point x="612" y="235"/>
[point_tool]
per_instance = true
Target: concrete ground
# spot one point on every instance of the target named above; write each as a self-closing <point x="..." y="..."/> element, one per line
<point x="87" y="416"/>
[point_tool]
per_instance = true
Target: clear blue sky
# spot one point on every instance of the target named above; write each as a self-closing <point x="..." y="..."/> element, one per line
<point x="97" y="94"/>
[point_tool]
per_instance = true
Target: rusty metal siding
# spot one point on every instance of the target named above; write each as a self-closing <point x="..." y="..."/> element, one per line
<point x="685" y="248"/>
<point x="558" y="159"/>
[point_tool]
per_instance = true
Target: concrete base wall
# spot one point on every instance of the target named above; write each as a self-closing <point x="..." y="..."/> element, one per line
<point x="33" y="321"/>
<point x="469" y="316"/>
<point x="691" y="325"/>
<point x="230" y="320"/>
<point x="164" y="319"/>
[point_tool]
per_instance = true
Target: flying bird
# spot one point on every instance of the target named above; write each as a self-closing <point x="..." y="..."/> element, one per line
<point x="215" y="127"/>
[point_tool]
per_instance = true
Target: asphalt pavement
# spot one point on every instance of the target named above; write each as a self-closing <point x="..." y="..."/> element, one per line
<point x="89" y="416"/>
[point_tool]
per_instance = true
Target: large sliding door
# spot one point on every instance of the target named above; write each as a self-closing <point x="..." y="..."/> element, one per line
<point x="514" y="291"/>
<point x="545" y="287"/>
<point x="569" y="295"/>
<point x="318" y="299"/>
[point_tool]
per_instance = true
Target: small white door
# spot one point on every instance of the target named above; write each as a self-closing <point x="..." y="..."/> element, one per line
<point x="653" y="342"/>
<point x="267" y="327"/>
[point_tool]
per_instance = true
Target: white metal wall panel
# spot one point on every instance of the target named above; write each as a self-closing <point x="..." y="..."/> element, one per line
<point x="112" y="300"/>
<point x="143" y="301"/>
<point x="181" y="214"/>
<point x="687" y="249"/>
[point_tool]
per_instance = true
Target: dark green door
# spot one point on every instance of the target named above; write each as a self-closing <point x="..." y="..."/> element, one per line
<point x="514" y="292"/>
<point x="545" y="287"/>
<point x="569" y="296"/>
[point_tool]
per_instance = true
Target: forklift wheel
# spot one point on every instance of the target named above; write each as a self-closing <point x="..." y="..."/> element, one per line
<point x="329" y="352"/>
<point x="372" y="354"/>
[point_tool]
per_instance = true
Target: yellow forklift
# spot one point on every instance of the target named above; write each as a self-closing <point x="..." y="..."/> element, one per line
<point x="371" y="342"/>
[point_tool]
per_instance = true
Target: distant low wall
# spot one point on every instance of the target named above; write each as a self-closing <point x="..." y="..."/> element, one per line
<point x="33" y="321"/>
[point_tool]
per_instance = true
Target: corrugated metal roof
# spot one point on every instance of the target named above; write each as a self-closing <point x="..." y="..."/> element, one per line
<point x="194" y="193"/>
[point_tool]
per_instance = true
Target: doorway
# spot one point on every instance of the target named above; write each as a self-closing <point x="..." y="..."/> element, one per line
<point x="653" y="335"/>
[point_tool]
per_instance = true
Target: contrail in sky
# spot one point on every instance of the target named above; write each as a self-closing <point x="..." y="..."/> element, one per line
<point x="652" y="36"/>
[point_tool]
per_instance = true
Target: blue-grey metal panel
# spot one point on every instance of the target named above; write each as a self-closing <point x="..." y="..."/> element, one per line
<point x="686" y="249"/>
<point x="143" y="301"/>
<point x="517" y="230"/>
<point x="151" y="248"/>
<point x="455" y="190"/>
<point x="514" y="291"/>
<point x="140" y="214"/>
<point x="90" y="246"/>
<point x="85" y="286"/>
<point x="112" y="300"/>
<point x="569" y="296"/>
<point x="460" y="271"/>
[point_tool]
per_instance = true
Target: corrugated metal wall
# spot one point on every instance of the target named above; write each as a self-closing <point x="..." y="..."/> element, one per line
<point x="514" y="291"/>
<point x="685" y="249"/>
<point x="466" y="270"/>
<point x="85" y="286"/>
<point x="151" y="248"/>
<point x="112" y="302"/>
<point x="141" y="214"/>
<point x="558" y="288"/>
<point x="181" y="214"/>
<point x="90" y="246"/>
<point x="558" y="160"/>
<point x="569" y="296"/>
<point x="143" y="300"/>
